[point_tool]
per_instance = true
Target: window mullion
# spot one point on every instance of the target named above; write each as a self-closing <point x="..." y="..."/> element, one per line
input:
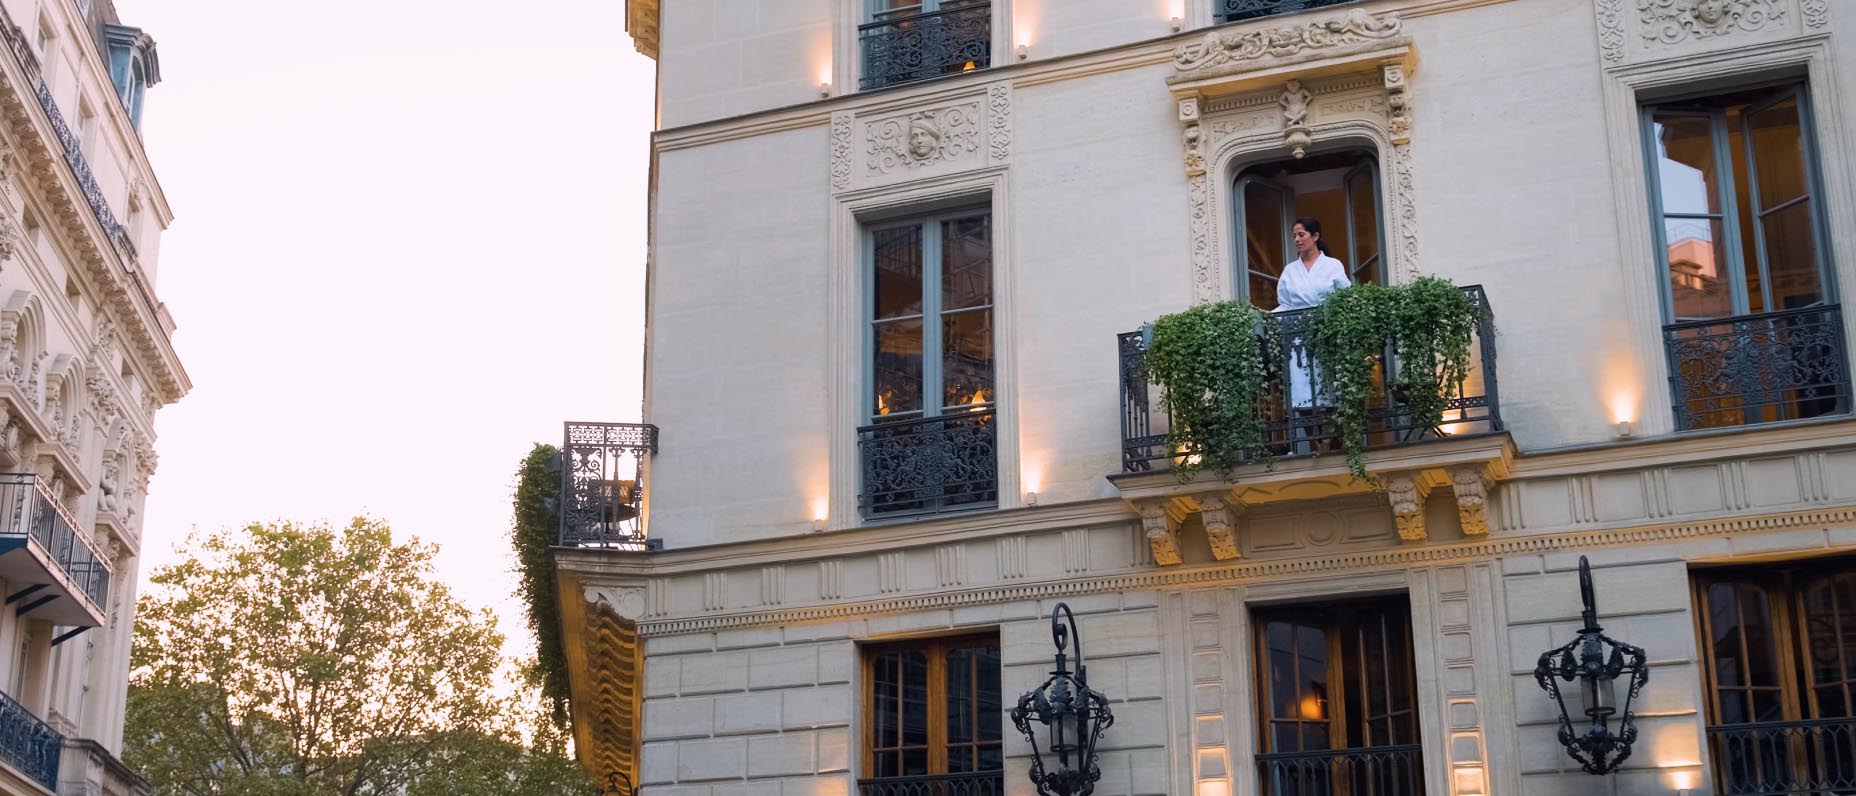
<point x="1756" y="215"/>
<point x="1730" y="211"/>
<point x="937" y="708"/>
<point x="931" y="318"/>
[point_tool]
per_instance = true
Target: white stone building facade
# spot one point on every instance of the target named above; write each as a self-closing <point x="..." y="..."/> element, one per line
<point x="85" y="362"/>
<point x="1656" y="198"/>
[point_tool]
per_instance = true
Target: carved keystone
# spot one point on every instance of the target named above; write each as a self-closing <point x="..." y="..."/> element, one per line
<point x="1406" y="492"/>
<point x="1162" y="532"/>
<point x="1472" y="498"/>
<point x="1220" y="518"/>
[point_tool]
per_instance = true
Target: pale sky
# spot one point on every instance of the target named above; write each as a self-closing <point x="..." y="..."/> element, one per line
<point x="409" y="243"/>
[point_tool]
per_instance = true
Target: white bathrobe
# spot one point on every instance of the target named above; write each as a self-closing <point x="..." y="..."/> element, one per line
<point x="1299" y="288"/>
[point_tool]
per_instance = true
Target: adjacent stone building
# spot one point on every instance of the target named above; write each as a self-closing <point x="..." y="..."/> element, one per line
<point x="902" y="255"/>
<point x="85" y="362"/>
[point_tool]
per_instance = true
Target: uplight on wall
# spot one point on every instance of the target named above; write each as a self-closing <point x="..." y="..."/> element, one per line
<point x="821" y="511"/>
<point x="1623" y="406"/>
<point x="1033" y="479"/>
<point x="824" y="80"/>
<point x="1176" y="11"/>
<point x="1214" y="787"/>
<point x="1685" y="781"/>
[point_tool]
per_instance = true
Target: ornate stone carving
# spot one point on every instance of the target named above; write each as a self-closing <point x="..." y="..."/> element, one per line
<point x="1294" y="102"/>
<point x="1611" y="30"/>
<point x="103" y="343"/>
<point x="841" y="150"/>
<point x="1407" y="207"/>
<point x="32" y="380"/>
<point x="1398" y="103"/>
<point x="1472" y="499"/>
<point x="999" y="122"/>
<point x="923" y="138"/>
<point x="1220" y="518"/>
<point x="1194" y="136"/>
<point x="1162" y="532"/>
<point x="1816" y="13"/>
<point x="1204" y="238"/>
<point x="1676" y="21"/>
<point x="10" y="236"/>
<point x="1406" y="492"/>
<point x="626" y="601"/>
<point x="109" y="487"/>
<point x="54" y="402"/>
<point x="1219" y="49"/>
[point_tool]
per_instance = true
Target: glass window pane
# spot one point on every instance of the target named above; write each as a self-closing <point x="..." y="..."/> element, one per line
<point x="991" y="711"/>
<point x="1265" y="242"/>
<point x="1685" y="167"/>
<point x="887" y="684"/>
<point x="966" y="263"/>
<point x="966" y="358"/>
<point x="1365" y="210"/>
<point x="992" y="758"/>
<point x="1761" y="646"/>
<point x="915" y="762"/>
<point x="1791" y="257"/>
<point x="898" y="267"/>
<point x="1698" y="283"/>
<point x="1279" y="639"/>
<point x="1778" y="153"/>
<point x="960" y="707"/>
<point x="1262" y="291"/>
<point x="1312" y="662"/>
<point x="898" y="367"/>
<point x="915" y="699"/>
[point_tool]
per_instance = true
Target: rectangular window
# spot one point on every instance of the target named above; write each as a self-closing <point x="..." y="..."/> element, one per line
<point x="930" y="444"/>
<point x="1240" y="10"/>
<point x="934" y="718"/>
<point x="1779" y="660"/>
<point x="908" y="40"/>
<point x="1336" y="700"/>
<point x="1738" y="222"/>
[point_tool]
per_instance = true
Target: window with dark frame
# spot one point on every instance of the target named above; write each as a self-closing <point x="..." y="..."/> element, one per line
<point x="1737" y="214"/>
<point x="1778" y="659"/>
<point x="904" y="41"/>
<point x="934" y="718"/>
<point x="1336" y="700"/>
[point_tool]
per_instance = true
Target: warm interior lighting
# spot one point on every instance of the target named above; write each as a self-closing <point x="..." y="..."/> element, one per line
<point x="1313" y="707"/>
<point x="969" y="67"/>
<point x="978" y="397"/>
<point x="1214" y="787"/>
<point x="882" y="406"/>
<point x="1684" y="780"/>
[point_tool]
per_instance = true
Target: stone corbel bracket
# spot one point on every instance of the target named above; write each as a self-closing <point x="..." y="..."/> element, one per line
<point x="1469" y="482"/>
<point x="1218" y="512"/>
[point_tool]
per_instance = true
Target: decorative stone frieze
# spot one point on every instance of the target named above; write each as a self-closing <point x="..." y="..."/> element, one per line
<point x="1676" y="21"/>
<point x="1220" y="49"/>
<point x="929" y="138"/>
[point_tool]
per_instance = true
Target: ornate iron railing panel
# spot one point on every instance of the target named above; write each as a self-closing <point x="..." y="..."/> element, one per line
<point x="28" y="744"/>
<point x="1758" y="368"/>
<point x="1367" y="771"/>
<point x="982" y="783"/>
<point x="929" y="464"/>
<point x="1240" y="10"/>
<point x="1784" y="758"/>
<point x="1473" y="405"/>
<point x="80" y="169"/>
<point x="921" y="46"/>
<point x="28" y="509"/>
<point x="603" y="484"/>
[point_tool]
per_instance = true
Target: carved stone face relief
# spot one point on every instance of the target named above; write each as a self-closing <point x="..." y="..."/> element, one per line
<point x="924" y="136"/>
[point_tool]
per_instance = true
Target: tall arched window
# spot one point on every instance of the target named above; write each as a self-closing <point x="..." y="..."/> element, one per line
<point x="1339" y="189"/>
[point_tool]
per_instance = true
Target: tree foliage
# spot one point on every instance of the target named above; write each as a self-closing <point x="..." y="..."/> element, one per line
<point x="306" y="660"/>
<point x="537" y="526"/>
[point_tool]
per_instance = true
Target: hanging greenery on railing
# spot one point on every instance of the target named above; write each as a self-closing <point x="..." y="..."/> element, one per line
<point x="1216" y="365"/>
<point x="1427" y="325"/>
<point x="537" y="528"/>
<point x="1212" y="375"/>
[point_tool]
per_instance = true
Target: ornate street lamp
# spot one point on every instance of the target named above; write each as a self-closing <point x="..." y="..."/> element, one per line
<point x="1073" y="717"/>
<point x="1596" y="661"/>
<point x="617" y="784"/>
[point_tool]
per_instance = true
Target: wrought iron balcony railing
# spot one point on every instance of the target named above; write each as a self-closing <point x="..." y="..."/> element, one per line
<point x="1758" y="368"/>
<point x="1784" y="758"/>
<point x="930" y="464"/>
<point x="28" y="744"/>
<point x="602" y="484"/>
<point x="982" y="783"/>
<point x="905" y="49"/>
<point x="1240" y="10"/>
<point x="1366" y="771"/>
<point x="32" y="519"/>
<point x="1472" y="406"/>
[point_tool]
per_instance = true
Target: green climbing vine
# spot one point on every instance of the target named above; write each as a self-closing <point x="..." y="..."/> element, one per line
<point x="1346" y="337"/>
<point x="1212" y="376"/>
<point x="536" y="505"/>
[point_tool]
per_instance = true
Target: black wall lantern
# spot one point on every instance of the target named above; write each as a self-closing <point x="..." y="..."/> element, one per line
<point x="617" y="784"/>
<point x="1073" y="717"/>
<point x="1596" y="662"/>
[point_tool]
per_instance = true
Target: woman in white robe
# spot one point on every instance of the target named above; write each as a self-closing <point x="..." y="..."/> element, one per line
<point x="1305" y="281"/>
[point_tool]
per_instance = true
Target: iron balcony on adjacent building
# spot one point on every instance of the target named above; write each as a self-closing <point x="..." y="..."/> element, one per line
<point x="603" y="468"/>
<point x="53" y="570"/>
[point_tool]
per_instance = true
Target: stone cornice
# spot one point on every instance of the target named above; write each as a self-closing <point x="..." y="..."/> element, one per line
<point x="642" y="21"/>
<point x="1175" y="577"/>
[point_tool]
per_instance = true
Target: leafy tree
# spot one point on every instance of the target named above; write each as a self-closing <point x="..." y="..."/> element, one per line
<point x="305" y="660"/>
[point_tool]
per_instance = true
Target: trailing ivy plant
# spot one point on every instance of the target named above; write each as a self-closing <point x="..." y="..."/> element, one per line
<point x="1212" y="374"/>
<point x="537" y="511"/>
<point x="1347" y="334"/>
<point x="1433" y="325"/>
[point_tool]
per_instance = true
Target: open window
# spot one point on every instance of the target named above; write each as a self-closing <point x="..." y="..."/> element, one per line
<point x="1338" y="189"/>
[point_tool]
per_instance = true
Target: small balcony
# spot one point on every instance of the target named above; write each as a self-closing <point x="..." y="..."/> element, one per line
<point x="1784" y="758"/>
<point x="603" y="485"/>
<point x="979" y="783"/>
<point x="1764" y="368"/>
<point x="1368" y="771"/>
<point x="928" y="465"/>
<point x="54" y="570"/>
<point x="29" y="745"/>
<point x="1240" y="10"/>
<point x="907" y="47"/>
<point x="1466" y="452"/>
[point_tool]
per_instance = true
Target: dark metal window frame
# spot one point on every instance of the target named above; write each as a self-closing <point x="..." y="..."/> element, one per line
<point x="877" y="25"/>
<point x="1229" y="11"/>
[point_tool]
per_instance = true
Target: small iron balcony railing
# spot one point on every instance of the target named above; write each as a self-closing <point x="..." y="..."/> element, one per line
<point x="981" y="783"/>
<point x="29" y="744"/>
<point x="1784" y="758"/>
<point x="1758" y="368"/>
<point x="905" y="49"/>
<point x="1366" y="771"/>
<point x="1240" y="10"/>
<point x="930" y="464"/>
<point x="28" y="510"/>
<point x="1472" y="408"/>
<point x="603" y="484"/>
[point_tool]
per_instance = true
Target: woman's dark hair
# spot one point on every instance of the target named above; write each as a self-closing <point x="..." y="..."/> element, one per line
<point x="1313" y="227"/>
